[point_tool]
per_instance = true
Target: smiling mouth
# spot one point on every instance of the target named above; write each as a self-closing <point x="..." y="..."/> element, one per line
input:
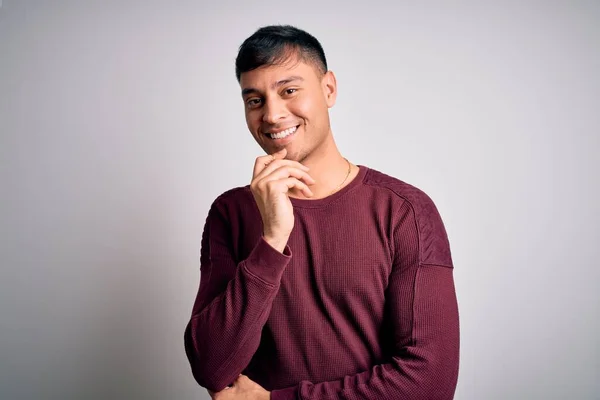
<point x="282" y="134"/>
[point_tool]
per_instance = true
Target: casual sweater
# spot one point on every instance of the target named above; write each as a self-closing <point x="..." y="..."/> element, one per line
<point x="361" y="303"/>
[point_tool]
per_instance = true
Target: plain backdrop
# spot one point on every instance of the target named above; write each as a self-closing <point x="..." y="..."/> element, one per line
<point x="121" y="121"/>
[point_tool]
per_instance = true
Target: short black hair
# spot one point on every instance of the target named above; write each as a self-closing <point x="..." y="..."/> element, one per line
<point x="273" y="44"/>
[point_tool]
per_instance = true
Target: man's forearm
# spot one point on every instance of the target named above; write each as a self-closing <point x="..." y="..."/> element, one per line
<point x="223" y="334"/>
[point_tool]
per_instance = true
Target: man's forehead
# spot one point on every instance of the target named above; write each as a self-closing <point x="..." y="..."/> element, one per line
<point x="272" y="73"/>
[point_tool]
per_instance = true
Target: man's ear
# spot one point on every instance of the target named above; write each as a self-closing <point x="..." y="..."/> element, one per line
<point x="329" y="85"/>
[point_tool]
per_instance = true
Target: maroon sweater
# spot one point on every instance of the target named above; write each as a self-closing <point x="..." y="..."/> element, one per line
<point x="360" y="305"/>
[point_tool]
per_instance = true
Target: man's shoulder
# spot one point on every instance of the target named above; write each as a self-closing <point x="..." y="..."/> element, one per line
<point x="238" y="195"/>
<point x="435" y="248"/>
<point x="234" y="194"/>
<point x="399" y="188"/>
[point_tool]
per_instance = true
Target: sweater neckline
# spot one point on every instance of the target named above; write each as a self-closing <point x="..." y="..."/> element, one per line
<point x="308" y="203"/>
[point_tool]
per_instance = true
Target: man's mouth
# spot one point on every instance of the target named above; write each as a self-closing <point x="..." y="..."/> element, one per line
<point x="282" y="134"/>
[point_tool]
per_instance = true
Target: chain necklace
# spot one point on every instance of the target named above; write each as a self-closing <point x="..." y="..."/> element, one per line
<point x="347" y="175"/>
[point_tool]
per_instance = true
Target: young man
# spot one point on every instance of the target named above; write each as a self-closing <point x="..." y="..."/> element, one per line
<point x="320" y="279"/>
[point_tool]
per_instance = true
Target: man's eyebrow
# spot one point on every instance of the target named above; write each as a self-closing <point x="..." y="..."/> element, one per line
<point x="287" y="80"/>
<point x="281" y="82"/>
<point x="248" y="91"/>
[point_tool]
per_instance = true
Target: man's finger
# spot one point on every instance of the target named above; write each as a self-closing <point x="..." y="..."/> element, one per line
<point x="262" y="162"/>
<point x="285" y="172"/>
<point x="277" y="166"/>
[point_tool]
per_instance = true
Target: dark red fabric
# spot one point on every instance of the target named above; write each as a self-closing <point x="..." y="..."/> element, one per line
<point x="360" y="305"/>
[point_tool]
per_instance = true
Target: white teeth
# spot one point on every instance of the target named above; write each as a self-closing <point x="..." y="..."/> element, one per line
<point x="282" y="134"/>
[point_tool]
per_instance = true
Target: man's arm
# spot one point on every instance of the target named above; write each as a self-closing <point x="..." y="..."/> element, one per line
<point x="426" y="367"/>
<point x="422" y="312"/>
<point x="232" y="304"/>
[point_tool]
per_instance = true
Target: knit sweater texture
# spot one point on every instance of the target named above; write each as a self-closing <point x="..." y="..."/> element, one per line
<point x="361" y="303"/>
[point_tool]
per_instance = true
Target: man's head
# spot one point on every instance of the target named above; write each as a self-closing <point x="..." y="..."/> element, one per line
<point x="285" y="85"/>
<point x="274" y="44"/>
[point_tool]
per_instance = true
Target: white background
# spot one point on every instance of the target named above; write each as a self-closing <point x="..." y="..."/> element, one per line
<point x="121" y="122"/>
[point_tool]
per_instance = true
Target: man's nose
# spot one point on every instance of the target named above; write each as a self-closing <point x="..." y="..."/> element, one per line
<point x="274" y="110"/>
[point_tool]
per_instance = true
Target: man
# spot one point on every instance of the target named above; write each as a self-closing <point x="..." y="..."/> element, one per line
<point x="321" y="279"/>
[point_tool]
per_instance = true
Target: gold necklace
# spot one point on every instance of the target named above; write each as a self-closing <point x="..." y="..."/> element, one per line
<point x="347" y="175"/>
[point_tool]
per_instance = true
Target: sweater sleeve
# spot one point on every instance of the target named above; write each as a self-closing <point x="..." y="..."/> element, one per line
<point x="422" y="313"/>
<point x="232" y="305"/>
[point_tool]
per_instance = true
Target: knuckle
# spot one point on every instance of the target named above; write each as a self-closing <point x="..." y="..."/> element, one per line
<point x="275" y="163"/>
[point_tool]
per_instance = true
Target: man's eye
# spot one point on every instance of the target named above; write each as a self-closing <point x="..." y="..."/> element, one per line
<point x="253" y="102"/>
<point x="290" y="91"/>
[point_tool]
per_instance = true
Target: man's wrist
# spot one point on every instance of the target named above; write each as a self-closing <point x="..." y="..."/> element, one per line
<point x="277" y="243"/>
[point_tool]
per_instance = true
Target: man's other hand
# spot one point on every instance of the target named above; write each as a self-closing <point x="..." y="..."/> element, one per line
<point x="242" y="389"/>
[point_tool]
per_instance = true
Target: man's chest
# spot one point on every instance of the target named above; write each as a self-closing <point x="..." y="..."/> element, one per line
<point x="345" y="260"/>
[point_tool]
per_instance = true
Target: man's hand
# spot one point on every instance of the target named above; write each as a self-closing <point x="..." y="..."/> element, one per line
<point x="242" y="389"/>
<point x="272" y="179"/>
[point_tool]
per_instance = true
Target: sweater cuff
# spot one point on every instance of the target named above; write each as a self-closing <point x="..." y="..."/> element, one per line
<point x="290" y="393"/>
<point x="266" y="262"/>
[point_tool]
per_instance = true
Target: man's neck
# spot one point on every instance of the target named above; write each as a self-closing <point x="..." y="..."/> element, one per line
<point x="329" y="171"/>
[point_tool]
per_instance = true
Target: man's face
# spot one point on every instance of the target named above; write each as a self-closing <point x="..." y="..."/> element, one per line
<point x="292" y="100"/>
